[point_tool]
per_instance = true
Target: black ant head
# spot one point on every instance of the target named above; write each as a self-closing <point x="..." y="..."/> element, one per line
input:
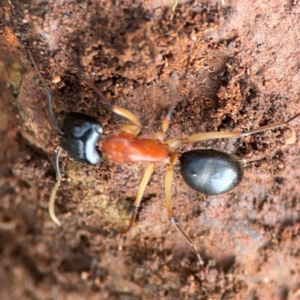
<point x="79" y="133"/>
<point x="79" y="136"/>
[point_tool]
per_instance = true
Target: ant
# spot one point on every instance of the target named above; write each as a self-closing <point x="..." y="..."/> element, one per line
<point x="208" y="171"/>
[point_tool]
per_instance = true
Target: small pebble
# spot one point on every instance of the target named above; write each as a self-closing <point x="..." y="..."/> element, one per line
<point x="290" y="137"/>
<point x="56" y="79"/>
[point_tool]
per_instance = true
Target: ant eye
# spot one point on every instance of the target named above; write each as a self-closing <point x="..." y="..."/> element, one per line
<point x="98" y="129"/>
<point x="77" y="131"/>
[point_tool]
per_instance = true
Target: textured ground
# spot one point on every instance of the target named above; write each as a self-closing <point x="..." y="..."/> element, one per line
<point x="242" y="62"/>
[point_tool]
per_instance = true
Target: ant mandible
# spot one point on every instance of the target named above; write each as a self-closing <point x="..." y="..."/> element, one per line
<point x="208" y="171"/>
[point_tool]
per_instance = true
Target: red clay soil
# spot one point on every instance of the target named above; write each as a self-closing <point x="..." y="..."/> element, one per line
<point x="229" y="65"/>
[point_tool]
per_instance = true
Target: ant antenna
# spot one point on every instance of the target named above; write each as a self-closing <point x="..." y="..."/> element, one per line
<point x="51" y="203"/>
<point x="93" y="87"/>
<point x="49" y="96"/>
<point x="81" y="72"/>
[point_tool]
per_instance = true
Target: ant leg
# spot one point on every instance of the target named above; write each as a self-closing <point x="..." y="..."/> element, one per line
<point x="51" y="203"/>
<point x="271" y="126"/>
<point x="141" y="190"/>
<point x="167" y="118"/>
<point x="134" y="129"/>
<point x="175" y="98"/>
<point x="203" y="136"/>
<point x="168" y="194"/>
<point x="174" y="143"/>
<point x="49" y="96"/>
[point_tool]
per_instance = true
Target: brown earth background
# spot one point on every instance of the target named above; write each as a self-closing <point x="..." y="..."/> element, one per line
<point x="242" y="65"/>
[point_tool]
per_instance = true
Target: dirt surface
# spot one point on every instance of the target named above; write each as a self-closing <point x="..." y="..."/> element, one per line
<point x="231" y="65"/>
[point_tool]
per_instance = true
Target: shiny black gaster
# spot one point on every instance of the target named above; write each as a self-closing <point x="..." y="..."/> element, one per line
<point x="210" y="172"/>
<point x="80" y="136"/>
